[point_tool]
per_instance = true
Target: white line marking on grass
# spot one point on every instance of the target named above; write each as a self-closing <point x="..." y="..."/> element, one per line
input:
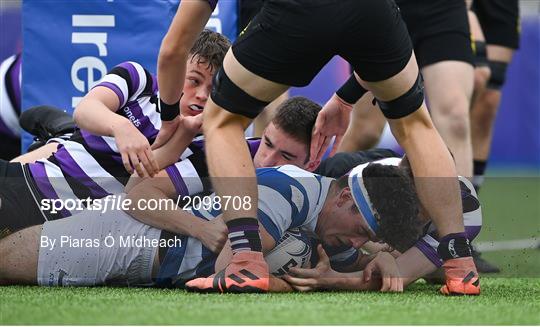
<point x="529" y="243"/>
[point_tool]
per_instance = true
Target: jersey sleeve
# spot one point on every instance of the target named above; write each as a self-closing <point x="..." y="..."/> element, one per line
<point x="472" y="220"/>
<point x="190" y="175"/>
<point x="342" y="257"/>
<point x="285" y="201"/>
<point x="128" y="81"/>
<point x="213" y="4"/>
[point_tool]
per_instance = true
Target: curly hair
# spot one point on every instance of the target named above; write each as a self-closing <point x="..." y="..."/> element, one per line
<point x="210" y="48"/>
<point x="393" y="195"/>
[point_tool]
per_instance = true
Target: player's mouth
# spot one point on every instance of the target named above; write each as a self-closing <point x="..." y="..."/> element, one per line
<point x="196" y="107"/>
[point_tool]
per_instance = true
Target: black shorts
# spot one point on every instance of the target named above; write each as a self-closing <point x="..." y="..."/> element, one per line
<point x="439" y="30"/>
<point x="343" y="162"/>
<point x="500" y="21"/>
<point x="18" y="208"/>
<point x="289" y="41"/>
<point x="247" y="9"/>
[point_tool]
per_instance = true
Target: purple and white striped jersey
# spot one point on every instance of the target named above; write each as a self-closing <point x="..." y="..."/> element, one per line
<point x="88" y="165"/>
<point x="10" y="96"/>
<point x="190" y="175"/>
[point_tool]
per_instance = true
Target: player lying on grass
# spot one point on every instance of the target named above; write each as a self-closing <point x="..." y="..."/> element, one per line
<point x="118" y="120"/>
<point x="411" y="263"/>
<point x="92" y="247"/>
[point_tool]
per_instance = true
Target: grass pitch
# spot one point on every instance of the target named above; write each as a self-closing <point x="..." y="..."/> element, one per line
<point x="511" y="211"/>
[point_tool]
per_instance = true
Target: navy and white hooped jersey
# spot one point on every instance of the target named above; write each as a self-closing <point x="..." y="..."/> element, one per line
<point x="10" y="96"/>
<point x="88" y="165"/>
<point x="289" y="197"/>
<point x="190" y="175"/>
<point x="428" y="243"/>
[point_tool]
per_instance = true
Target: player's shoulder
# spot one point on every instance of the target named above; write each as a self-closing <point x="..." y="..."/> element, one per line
<point x="290" y="171"/>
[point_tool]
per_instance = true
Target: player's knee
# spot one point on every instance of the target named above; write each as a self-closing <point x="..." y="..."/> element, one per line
<point x="481" y="77"/>
<point x="455" y="115"/>
<point x="233" y="99"/>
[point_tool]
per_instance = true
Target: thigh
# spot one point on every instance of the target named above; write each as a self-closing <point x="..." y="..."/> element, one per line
<point x="375" y="40"/>
<point x="500" y="21"/>
<point x="447" y="83"/>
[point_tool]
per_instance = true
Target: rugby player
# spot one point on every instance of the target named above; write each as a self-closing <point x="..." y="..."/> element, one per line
<point x="442" y="44"/>
<point x="122" y="108"/>
<point x="499" y="20"/>
<point x="411" y="263"/>
<point x="87" y="250"/>
<point x="256" y="71"/>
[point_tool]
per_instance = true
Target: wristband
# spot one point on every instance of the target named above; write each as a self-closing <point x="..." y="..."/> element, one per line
<point x="351" y="91"/>
<point x="168" y="112"/>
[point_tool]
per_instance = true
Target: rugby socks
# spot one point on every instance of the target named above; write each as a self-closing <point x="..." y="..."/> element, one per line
<point x="244" y="235"/>
<point x="479" y="168"/>
<point x="454" y="246"/>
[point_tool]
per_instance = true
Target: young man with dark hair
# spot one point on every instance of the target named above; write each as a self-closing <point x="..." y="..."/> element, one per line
<point x="118" y="120"/>
<point x="417" y="257"/>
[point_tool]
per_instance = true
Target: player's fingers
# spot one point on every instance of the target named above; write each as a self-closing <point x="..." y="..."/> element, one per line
<point x="145" y="163"/>
<point x="324" y="147"/>
<point x="125" y="161"/>
<point x="368" y="271"/>
<point x="302" y="288"/>
<point x="152" y="159"/>
<point x="135" y="163"/>
<point x="386" y="283"/>
<point x="303" y="273"/>
<point x="335" y="146"/>
<point x="323" y="257"/>
<point x="314" y="149"/>
<point x="299" y="281"/>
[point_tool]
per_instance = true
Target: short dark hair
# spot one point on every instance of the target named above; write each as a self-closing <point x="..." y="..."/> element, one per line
<point x="394" y="198"/>
<point x="296" y="117"/>
<point x="210" y="48"/>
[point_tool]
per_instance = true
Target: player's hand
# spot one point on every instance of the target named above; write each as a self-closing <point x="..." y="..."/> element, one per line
<point x="192" y="123"/>
<point x="332" y="120"/>
<point x="320" y="277"/>
<point x="213" y="234"/>
<point x="165" y="132"/>
<point x="135" y="151"/>
<point x="385" y="267"/>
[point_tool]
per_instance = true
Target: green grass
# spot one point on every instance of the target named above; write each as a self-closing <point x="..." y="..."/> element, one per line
<point x="511" y="211"/>
<point x="505" y="301"/>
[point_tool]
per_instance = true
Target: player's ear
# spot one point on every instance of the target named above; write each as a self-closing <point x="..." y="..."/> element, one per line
<point x="344" y="196"/>
<point x="312" y="165"/>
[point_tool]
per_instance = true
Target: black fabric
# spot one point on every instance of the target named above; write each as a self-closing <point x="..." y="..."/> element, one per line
<point x="454" y="246"/>
<point x="169" y="112"/>
<point x="247" y="9"/>
<point x="479" y="167"/>
<point x="288" y="42"/>
<point x="498" y="75"/>
<point x="480" y="54"/>
<point x="439" y="30"/>
<point x="343" y="162"/>
<point x="230" y="97"/>
<point x="499" y="20"/>
<point x="18" y="208"/>
<point x="9" y="148"/>
<point x="405" y="104"/>
<point x="351" y="91"/>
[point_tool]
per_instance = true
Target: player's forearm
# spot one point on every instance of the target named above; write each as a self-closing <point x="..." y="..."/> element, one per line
<point x="352" y="281"/>
<point x="168" y="217"/>
<point x="169" y="153"/>
<point x="93" y="116"/>
<point x="186" y="26"/>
